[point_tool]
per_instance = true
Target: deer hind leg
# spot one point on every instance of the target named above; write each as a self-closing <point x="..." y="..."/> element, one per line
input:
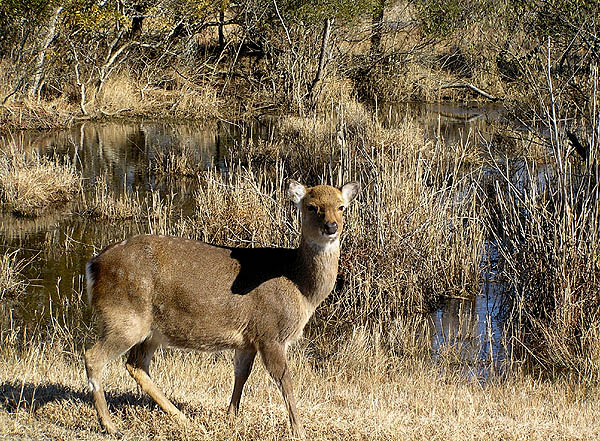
<point x="273" y="356"/>
<point x="138" y="364"/>
<point x="105" y="350"/>
<point x="242" y="365"/>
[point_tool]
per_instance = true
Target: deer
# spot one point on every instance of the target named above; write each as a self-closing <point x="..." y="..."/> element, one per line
<point x="152" y="290"/>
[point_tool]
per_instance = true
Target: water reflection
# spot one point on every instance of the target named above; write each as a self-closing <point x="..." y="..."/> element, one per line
<point x="451" y="122"/>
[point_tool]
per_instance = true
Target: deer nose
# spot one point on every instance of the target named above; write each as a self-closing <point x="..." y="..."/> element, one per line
<point x="331" y="227"/>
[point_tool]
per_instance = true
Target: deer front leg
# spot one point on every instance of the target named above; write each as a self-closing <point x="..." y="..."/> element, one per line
<point x="242" y="365"/>
<point x="273" y="356"/>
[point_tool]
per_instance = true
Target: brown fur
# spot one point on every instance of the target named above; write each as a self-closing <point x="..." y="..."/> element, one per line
<point x="154" y="290"/>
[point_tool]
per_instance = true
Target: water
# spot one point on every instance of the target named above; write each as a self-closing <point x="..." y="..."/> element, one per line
<point x="472" y="327"/>
<point x="59" y="243"/>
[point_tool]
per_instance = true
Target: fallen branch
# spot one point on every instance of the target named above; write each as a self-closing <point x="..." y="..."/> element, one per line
<point x="110" y="114"/>
<point x="473" y="88"/>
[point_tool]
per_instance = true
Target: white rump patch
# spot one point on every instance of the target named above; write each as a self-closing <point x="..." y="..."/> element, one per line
<point x="89" y="281"/>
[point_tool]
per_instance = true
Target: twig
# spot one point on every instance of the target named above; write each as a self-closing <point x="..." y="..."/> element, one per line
<point x="109" y="114"/>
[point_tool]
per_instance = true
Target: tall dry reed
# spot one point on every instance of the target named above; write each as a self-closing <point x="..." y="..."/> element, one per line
<point x="544" y="221"/>
<point x="108" y="204"/>
<point x="12" y="283"/>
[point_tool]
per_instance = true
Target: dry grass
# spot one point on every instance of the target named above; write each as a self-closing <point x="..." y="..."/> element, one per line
<point x="27" y="115"/>
<point x="12" y="283"/>
<point x="120" y="94"/>
<point x="359" y="392"/>
<point x="21" y="112"/>
<point x="412" y="240"/>
<point x="245" y="208"/>
<point x="181" y="149"/>
<point x="181" y="160"/>
<point x="29" y="182"/>
<point x="125" y="94"/>
<point x="414" y="237"/>
<point x="110" y="205"/>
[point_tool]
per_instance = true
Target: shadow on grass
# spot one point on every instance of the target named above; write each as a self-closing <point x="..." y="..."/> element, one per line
<point x="15" y="396"/>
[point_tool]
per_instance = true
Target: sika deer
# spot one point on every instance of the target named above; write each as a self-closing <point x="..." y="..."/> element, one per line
<point x="154" y="290"/>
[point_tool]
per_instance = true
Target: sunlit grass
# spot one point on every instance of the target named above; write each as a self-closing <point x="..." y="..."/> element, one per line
<point x="544" y="223"/>
<point x="358" y="391"/>
<point x="414" y="237"/>
<point x="30" y="182"/>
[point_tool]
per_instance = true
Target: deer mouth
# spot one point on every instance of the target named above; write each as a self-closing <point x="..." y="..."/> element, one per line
<point x="329" y="236"/>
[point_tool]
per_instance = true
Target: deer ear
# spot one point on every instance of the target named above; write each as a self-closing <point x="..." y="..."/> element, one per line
<point x="296" y="192"/>
<point x="349" y="191"/>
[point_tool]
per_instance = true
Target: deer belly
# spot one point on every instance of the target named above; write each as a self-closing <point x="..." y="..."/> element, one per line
<point x="207" y="325"/>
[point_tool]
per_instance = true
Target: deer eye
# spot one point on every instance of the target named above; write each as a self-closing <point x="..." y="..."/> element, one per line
<point x="312" y="208"/>
<point x="341" y="208"/>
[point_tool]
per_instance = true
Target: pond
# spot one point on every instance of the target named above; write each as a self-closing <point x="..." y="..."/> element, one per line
<point x="58" y="244"/>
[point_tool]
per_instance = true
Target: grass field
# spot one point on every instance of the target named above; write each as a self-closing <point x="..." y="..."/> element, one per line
<point x="357" y="394"/>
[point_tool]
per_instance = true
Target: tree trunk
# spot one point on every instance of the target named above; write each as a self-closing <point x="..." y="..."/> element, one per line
<point x="220" y="29"/>
<point x="137" y="21"/>
<point x="376" y="24"/>
<point x="322" y="59"/>
<point x="41" y="58"/>
<point x="177" y="31"/>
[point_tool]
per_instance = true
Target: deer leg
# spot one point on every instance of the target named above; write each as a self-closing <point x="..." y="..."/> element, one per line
<point x="138" y="365"/>
<point x="96" y="357"/>
<point x="273" y="357"/>
<point x="242" y="366"/>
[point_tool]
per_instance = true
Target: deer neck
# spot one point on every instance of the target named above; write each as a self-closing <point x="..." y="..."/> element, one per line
<point x="317" y="269"/>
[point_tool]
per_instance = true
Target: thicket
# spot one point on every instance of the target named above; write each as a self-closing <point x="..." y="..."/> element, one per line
<point x="199" y="58"/>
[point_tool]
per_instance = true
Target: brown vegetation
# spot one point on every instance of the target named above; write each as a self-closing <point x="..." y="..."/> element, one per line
<point x="113" y="206"/>
<point x="107" y="205"/>
<point x="12" y="283"/>
<point x="411" y="241"/>
<point x="544" y="222"/>
<point x="358" y="392"/>
<point x="29" y="182"/>
<point x="415" y="237"/>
